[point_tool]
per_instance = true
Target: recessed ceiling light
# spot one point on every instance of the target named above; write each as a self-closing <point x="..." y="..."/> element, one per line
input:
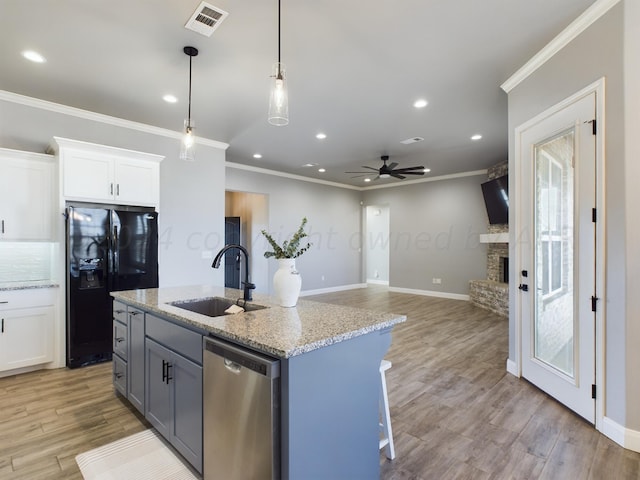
<point x="310" y="165"/>
<point x="477" y="136"/>
<point x="321" y="136"/>
<point x="426" y="170"/>
<point x="367" y="179"/>
<point x="33" y="56"/>
<point x="257" y="155"/>
<point x="321" y="170"/>
<point x="170" y="98"/>
<point x="421" y="103"/>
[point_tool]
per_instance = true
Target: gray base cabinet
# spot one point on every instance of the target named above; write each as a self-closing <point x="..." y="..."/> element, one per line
<point x="136" y="360"/>
<point x="157" y="366"/>
<point x="174" y="400"/>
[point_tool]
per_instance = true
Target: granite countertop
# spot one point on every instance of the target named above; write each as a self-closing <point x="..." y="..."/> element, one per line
<point x="282" y="332"/>
<point x="6" y="286"/>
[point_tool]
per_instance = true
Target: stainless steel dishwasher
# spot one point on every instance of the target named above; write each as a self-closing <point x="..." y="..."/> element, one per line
<point x="241" y="403"/>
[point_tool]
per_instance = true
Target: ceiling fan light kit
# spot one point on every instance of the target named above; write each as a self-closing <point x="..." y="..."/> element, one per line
<point x="187" y="145"/>
<point x="387" y="171"/>
<point x="279" y="98"/>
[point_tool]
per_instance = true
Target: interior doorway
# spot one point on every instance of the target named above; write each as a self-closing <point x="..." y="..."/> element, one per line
<point x="252" y="212"/>
<point x="377" y="239"/>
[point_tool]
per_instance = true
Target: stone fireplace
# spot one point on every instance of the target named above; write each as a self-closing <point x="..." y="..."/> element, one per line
<point x="493" y="292"/>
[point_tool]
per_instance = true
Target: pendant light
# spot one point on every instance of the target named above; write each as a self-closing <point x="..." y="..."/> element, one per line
<point x="278" y="100"/>
<point x="187" y="146"/>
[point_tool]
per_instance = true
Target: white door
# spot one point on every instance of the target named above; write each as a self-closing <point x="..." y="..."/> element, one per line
<point x="558" y="254"/>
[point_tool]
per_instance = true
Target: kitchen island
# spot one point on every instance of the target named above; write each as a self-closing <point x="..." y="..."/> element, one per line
<point x="329" y="372"/>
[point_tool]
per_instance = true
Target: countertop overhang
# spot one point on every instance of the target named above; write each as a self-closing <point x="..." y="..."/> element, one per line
<point x="278" y="331"/>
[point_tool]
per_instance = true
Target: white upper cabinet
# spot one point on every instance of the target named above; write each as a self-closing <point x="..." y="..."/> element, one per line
<point x="26" y="195"/>
<point x="102" y="174"/>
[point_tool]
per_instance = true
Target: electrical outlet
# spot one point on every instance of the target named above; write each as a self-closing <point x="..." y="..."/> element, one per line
<point x="437" y="281"/>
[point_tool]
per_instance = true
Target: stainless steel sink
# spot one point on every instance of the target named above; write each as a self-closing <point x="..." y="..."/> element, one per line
<point x="214" y="306"/>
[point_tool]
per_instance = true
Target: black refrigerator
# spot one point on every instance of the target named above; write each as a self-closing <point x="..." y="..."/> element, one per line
<point x="108" y="249"/>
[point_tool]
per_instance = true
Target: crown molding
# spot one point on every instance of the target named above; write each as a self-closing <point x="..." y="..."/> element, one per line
<point x="101" y="118"/>
<point x="430" y="179"/>
<point x="575" y="28"/>
<point x="275" y="173"/>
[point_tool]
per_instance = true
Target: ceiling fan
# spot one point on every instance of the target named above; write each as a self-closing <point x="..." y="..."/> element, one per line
<point x="390" y="170"/>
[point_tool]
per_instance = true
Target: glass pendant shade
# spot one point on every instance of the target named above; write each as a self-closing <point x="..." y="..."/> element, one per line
<point x="188" y="143"/>
<point x="279" y="99"/>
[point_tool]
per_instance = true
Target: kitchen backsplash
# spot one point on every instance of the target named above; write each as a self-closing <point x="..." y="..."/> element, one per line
<point x="25" y="261"/>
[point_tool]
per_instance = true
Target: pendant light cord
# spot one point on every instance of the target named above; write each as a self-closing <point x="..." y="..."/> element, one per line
<point x="189" y="116"/>
<point x="278" y="31"/>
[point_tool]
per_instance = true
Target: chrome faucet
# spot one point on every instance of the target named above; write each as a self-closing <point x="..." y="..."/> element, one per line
<point x="248" y="286"/>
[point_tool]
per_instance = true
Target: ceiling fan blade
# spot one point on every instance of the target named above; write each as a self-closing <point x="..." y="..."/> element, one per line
<point x="411" y="168"/>
<point x="395" y="175"/>
<point x="412" y="173"/>
<point x="393" y="165"/>
<point x="370" y="168"/>
<point x="366" y="173"/>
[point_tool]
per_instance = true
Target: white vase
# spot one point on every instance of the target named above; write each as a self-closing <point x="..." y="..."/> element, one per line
<point x="287" y="282"/>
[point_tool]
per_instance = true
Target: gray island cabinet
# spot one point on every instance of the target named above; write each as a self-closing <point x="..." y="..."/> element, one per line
<point x="329" y="376"/>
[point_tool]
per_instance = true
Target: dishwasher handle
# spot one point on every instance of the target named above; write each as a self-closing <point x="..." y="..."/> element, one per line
<point x="236" y="358"/>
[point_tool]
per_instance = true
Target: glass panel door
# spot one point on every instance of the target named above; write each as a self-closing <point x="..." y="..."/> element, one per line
<point x="554" y="325"/>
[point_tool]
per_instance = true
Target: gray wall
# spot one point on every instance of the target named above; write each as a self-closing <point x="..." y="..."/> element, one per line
<point x="596" y="53"/>
<point x="191" y="194"/>
<point x="434" y="229"/>
<point x="334" y="216"/>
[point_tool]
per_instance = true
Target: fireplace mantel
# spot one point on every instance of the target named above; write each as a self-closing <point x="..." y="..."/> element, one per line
<point x="502" y="237"/>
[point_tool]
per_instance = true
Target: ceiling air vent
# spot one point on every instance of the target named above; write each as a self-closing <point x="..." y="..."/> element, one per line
<point x="412" y="140"/>
<point x="206" y="19"/>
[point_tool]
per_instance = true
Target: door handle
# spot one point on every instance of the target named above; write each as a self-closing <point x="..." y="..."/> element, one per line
<point x="169" y="377"/>
<point x="2" y="326"/>
<point x="523" y="287"/>
<point x="111" y="189"/>
<point x="117" y="189"/>
<point x="2" y="226"/>
<point x="164" y="371"/>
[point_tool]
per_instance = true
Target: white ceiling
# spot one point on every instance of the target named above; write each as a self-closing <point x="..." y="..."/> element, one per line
<point x="355" y="67"/>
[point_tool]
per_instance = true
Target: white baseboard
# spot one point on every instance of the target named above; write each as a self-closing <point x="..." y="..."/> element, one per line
<point x="375" y="281"/>
<point x="339" y="288"/>
<point x="430" y="293"/>
<point x="512" y="368"/>
<point x="625" y="437"/>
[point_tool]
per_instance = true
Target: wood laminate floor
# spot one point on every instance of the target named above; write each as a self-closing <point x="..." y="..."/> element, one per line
<point x="455" y="412"/>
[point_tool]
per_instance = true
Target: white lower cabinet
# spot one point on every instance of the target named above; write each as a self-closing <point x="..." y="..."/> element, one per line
<point x="26" y="329"/>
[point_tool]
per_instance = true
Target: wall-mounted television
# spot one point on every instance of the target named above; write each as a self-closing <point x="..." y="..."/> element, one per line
<point x="496" y="199"/>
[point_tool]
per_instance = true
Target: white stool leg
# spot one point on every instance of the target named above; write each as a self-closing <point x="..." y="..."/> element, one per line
<point x="385" y="426"/>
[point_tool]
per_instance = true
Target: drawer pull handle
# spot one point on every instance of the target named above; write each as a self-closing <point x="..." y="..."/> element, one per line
<point x="119" y="339"/>
<point x="134" y="313"/>
<point x="4" y="301"/>
<point x="119" y="311"/>
<point x="118" y="375"/>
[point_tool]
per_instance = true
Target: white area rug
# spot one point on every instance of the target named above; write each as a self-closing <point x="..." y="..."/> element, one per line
<point x="139" y="457"/>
